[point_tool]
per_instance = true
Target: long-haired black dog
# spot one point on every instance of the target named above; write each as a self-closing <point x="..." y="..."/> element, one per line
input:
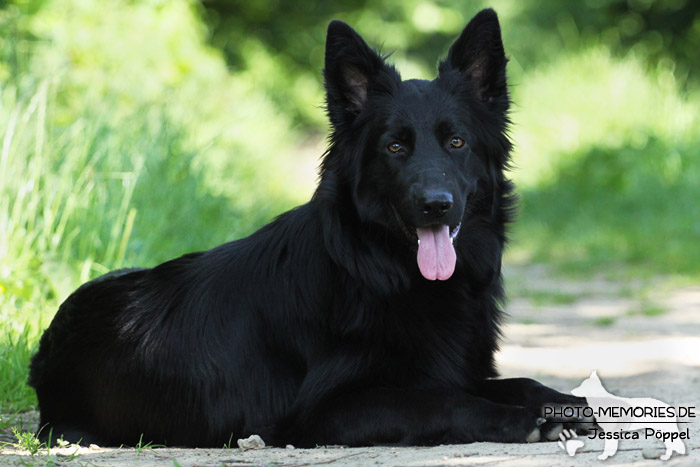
<point x="369" y="315"/>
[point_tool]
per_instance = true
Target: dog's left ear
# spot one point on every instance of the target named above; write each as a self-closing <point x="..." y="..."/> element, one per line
<point x="478" y="55"/>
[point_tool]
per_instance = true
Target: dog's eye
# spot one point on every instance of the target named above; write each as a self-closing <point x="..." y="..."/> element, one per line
<point x="394" y="147"/>
<point x="456" y="142"/>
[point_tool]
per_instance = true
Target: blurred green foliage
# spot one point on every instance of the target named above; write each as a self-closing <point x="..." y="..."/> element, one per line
<point x="609" y="167"/>
<point x="135" y="131"/>
<point x="124" y="141"/>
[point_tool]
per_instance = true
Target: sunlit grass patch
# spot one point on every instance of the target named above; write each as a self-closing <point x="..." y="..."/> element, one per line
<point x="550" y="297"/>
<point x="16" y="349"/>
<point x="118" y="149"/>
<point x="604" y="321"/>
<point x="649" y="309"/>
<point x="590" y="99"/>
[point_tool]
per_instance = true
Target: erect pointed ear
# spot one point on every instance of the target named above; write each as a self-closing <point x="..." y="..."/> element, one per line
<point x="478" y="55"/>
<point x="352" y="71"/>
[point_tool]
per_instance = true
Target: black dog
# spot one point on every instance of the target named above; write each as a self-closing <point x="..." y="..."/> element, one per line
<point x="320" y="328"/>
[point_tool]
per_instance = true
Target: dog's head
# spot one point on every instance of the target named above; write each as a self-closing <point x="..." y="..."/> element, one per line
<point x="420" y="158"/>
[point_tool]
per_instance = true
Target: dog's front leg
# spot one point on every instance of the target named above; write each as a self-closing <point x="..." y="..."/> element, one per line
<point x="530" y="393"/>
<point x="526" y="392"/>
<point x="403" y="416"/>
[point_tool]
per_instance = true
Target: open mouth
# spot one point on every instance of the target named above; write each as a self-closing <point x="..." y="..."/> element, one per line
<point x="436" y="254"/>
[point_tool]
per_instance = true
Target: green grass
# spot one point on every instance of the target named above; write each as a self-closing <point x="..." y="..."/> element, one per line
<point x="27" y="441"/>
<point x="604" y="321"/>
<point x="228" y="444"/>
<point x="112" y="158"/>
<point x="40" y="453"/>
<point x="550" y="297"/>
<point x="611" y="206"/>
<point x="16" y="349"/>
<point x="141" y="446"/>
<point x="649" y="309"/>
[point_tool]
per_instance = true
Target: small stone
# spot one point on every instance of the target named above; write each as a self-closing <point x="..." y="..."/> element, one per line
<point x="651" y="453"/>
<point x="251" y="442"/>
<point x="289" y="446"/>
<point x="94" y="447"/>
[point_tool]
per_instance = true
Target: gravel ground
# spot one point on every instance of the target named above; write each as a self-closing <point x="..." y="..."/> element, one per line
<point x="643" y="338"/>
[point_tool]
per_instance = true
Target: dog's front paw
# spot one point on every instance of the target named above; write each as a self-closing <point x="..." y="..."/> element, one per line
<point x="513" y="424"/>
<point x="575" y="416"/>
<point x="533" y="427"/>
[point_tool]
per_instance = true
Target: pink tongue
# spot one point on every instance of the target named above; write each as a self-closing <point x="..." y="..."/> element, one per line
<point x="436" y="255"/>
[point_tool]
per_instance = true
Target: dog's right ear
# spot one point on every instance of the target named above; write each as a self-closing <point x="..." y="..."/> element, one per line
<point x="352" y="71"/>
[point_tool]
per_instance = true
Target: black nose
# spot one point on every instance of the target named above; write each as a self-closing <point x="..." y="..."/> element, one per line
<point x="435" y="204"/>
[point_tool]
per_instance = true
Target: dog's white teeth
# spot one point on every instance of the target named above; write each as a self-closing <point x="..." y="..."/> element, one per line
<point x="419" y="242"/>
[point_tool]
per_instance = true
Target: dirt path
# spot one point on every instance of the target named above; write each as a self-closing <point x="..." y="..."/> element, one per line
<point x="643" y="338"/>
